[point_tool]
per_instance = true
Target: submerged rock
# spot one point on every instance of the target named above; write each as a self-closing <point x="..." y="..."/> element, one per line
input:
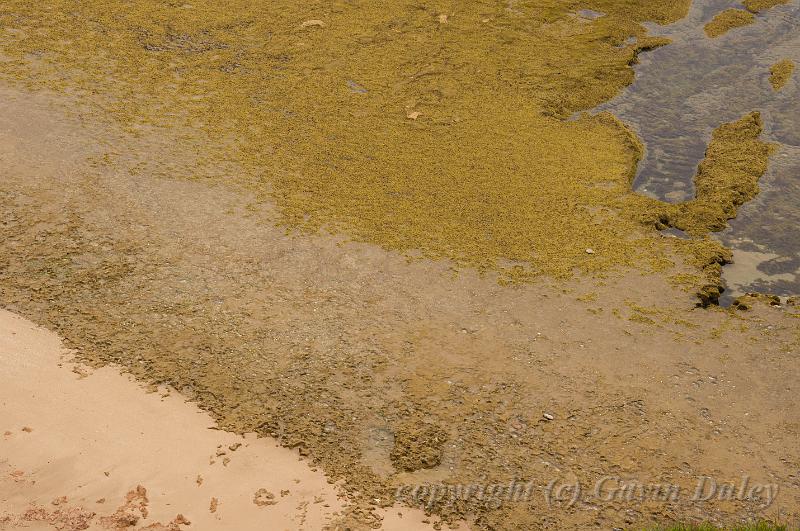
<point x="746" y="302"/>
<point x="417" y="446"/>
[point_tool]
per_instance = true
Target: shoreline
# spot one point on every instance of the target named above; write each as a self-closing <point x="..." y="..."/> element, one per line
<point x="388" y="372"/>
<point x="91" y="447"/>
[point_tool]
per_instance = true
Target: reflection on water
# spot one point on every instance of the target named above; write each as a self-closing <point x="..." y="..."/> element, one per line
<point x="685" y="90"/>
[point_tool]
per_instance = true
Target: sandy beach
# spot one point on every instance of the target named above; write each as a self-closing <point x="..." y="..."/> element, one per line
<point x="87" y="448"/>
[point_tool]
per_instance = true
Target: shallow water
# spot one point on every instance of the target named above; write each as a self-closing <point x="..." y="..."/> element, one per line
<point x="683" y="91"/>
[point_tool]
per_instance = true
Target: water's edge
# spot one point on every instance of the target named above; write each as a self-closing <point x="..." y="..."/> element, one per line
<point x="683" y="91"/>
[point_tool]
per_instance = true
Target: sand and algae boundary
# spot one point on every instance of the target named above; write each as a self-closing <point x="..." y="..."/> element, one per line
<point x="487" y="175"/>
<point x="337" y="349"/>
<point x="476" y="177"/>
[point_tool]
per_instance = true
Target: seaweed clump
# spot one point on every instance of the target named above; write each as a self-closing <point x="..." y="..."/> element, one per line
<point x="755" y="6"/>
<point x="747" y="301"/>
<point x="780" y="73"/>
<point x="728" y="176"/>
<point x="417" y="446"/>
<point x="727" y="20"/>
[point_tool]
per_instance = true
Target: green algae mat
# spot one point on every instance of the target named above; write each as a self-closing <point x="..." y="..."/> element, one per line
<point x="443" y="128"/>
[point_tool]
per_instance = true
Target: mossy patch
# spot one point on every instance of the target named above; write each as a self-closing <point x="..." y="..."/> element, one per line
<point x="487" y="173"/>
<point x="780" y="73"/>
<point x="727" y="20"/>
<point x="760" y="5"/>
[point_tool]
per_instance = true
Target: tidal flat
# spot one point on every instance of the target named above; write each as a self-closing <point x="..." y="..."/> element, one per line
<point x="422" y="243"/>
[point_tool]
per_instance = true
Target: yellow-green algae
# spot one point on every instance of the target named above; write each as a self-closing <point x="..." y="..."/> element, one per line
<point x="746" y="301"/>
<point x="780" y="73"/>
<point x="488" y="174"/>
<point x="728" y="20"/>
<point x="760" y="5"/>
<point x="726" y="179"/>
<point x="735" y="160"/>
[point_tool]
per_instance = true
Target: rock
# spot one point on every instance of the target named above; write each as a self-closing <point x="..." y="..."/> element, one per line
<point x="709" y="295"/>
<point x="417" y="445"/>
<point x="589" y="251"/>
<point x="59" y="501"/>
<point x="548" y="416"/>
<point x="312" y="23"/>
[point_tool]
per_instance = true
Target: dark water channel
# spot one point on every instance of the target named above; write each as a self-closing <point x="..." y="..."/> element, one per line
<point x="683" y="91"/>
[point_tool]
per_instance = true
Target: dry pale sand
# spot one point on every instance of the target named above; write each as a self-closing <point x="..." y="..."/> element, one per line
<point x="91" y="449"/>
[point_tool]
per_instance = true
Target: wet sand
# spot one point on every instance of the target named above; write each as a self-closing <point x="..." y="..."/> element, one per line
<point x="76" y="441"/>
<point x="345" y="351"/>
